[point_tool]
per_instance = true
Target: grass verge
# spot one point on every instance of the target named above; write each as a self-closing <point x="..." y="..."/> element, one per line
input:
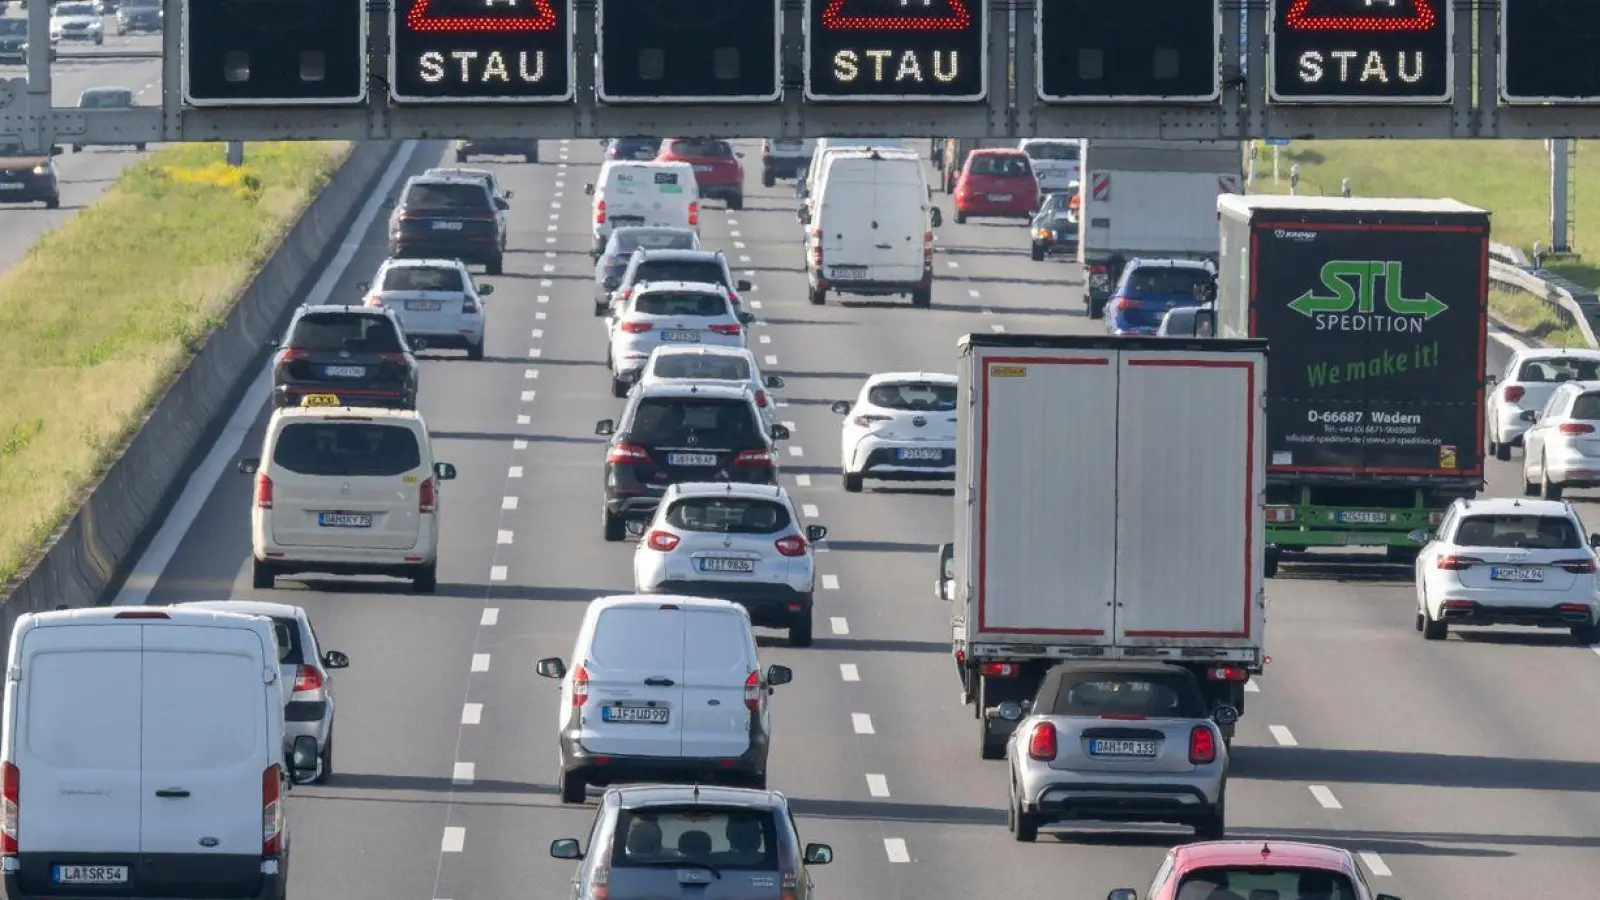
<point x="106" y="310"/>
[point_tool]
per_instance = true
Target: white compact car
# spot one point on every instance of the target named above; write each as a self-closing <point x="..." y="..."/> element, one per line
<point x="669" y="313"/>
<point x="346" y="491"/>
<point x="1562" y="448"/>
<point x="902" y="427"/>
<point x="1509" y="562"/>
<point x="736" y="365"/>
<point x="744" y="543"/>
<point x="76" y="22"/>
<point x="1530" y="376"/>
<point x="435" y="300"/>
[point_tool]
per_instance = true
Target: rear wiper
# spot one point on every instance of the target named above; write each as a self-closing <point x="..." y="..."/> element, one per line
<point x="678" y="864"/>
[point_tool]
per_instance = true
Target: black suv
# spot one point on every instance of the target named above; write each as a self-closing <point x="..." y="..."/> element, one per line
<point x="449" y="218"/>
<point x="345" y="356"/>
<point x="675" y="432"/>
<point x="693" y="266"/>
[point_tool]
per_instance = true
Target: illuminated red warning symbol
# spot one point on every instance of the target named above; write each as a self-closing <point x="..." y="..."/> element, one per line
<point x="918" y="15"/>
<point x="1329" y="15"/>
<point x="502" y="16"/>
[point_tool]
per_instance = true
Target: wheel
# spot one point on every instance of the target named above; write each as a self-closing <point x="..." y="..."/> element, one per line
<point x="77" y="148"/>
<point x="757" y="781"/>
<point x="1529" y="488"/>
<point x="600" y="311"/>
<point x="327" y="762"/>
<point x="1213" y="826"/>
<point x="614" y="526"/>
<point x="736" y="202"/>
<point x="1548" y="489"/>
<point x="1269" y="569"/>
<point x="619" y="388"/>
<point x="800" y="632"/>
<point x="922" y="297"/>
<point x="138" y="148"/>
<point x="767" y="180"/>
<point x="262" y="578"/>
<point x="463" y="156"/>
<point x="426" y="581"/>
<point x="53" y="203"/>
<point x="531" y="157"/>
<point x="1421" y="619"/>
<point x="1586" y="634"/>
<point x="1038" y="253"/>
<point x="496" y="266"/>
<point x="988" y="747"/>
<point x="852" y="482"/>
<point x="819" y="296"/>
<point x="1023" y="827"/>
<point x="961" y="217"/>
<point x="573" y="789"/>
<point x="1434" y="629"/>
<point x="475" y="351"/>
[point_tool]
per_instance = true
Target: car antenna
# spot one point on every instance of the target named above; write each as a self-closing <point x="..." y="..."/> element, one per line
<point x="1266" y="849"/>
<point x="697" y="791"/>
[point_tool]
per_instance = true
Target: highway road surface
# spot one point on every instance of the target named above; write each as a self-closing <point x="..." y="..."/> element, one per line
<point x="1463" y="769"/>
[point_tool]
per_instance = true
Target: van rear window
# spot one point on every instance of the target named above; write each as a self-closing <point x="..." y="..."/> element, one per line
<point x="83" y="710"/>
<point x="349" y="449"/>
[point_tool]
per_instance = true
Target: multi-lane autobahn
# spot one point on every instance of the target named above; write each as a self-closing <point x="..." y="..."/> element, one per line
<point x="1461" y="769"/>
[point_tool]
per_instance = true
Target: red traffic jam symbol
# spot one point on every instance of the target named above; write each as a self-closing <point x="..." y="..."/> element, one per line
<point x="1361" y="15"/>
<point x="896" y="15"/>
<point x="498" y="16"/>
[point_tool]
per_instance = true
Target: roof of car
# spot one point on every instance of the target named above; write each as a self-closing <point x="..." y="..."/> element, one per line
<point x="1050" y="687"/>
<point x="1580" y="385"/>
<point x="352" y="308"/>
<point x="1533" y="354"/>
<point x="1170" y="263"/>
<point x="998" y="151"/>
<point x="459" y="172"/>
<point x="1515" y="506"/>
<point x="678" y="253"/>
<point x="716" y="390"/>
<point x="247" y="608"/>
<point x="697" y="287"/>
<point x="728" y="489"/>
<point x="612" y="601"/>
<point x="444" y="179"/>
<point x="634" y="796"/>
<point x="421" y="262"/>
<point x="1256" y="853"/>
<point x="702" y="350"/>
<point x="894" y="377"/>
<point x="353" y="413"/>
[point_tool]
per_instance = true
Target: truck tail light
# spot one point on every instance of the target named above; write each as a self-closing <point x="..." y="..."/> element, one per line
<point x="1227" y="673"/>
<point x="752" y="690"/>
<point x="600" y="213"/>
<point x="580" y="686"/>
<point x="1280" y="514"/>
<point x="426" y="501"/>
<point x="816" y="249"/>
<point x="9" y="809"/>
<point x="999" y="670"/>
<point x="694" y="214"/>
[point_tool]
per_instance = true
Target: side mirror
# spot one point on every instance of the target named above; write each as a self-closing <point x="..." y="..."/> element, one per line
<point x="818" y="854"/>
<point x="1205" y="323"/>
<point x="1225" y="715"/>
<point x="484" y="290"/>
<point x="778" y="676"/>
<point x="334" y="659"/>
<point x="249" y="465"/>
<point x="935" y="216"/>
<point x="566" y="848"/>
<point x="508" y="194"/>
<point x="1491" y="380"/>
<point x="780" y="433"/>
<point x="1420" y="535"/>
<point x="840" y="407"/>
<point x="1594" y="540"/>
<point x="417" y="343"/>
<point x="363" y="285"/>
<point x="551" y="667"/>
<point x="1529" y="415"/>
<point x="773" y="381"/>
<point x="738" y="154"/>
<point x="272" y="344"/>
<point x="746" y="317"/>
<point x="303" y="759"/>
<point x="816" y="533"/>
<point x="605" y="427"/>
<point x="501" y="204"/>
<point x="742" y="284"/>
<point x="1123" y="894"/>
<point x="1010" y="710"/>
<point x="588" y="190"/>
<point x="444" y="471"/>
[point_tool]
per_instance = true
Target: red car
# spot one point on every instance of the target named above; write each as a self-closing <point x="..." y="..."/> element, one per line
<point x="716" y="167"/>
<point x="996" y="183"/>
<point x="1241" y="870"/>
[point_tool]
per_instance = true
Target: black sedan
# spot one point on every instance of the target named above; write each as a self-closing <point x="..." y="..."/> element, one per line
<point x="345" y="356"/>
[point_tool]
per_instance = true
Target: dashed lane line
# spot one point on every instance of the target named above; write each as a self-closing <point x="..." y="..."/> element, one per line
<point x="543" y="298"/>
<point x="480" y="662"/>
<point x="998" y="329"/>
<point x="508" y="503"/>
<point x="1250" y="687"/>
<point x="491" y="616"/>
<point x="464" y="773"/>
<point x="809" y="510"/>
<point x="1375" y="864"/>
<point x="524" y="420"/>
<point x="514" y="472"/>
<point x="877" y="785"/>
<point x="1283" y="736"/>
<point x="796" y="450"/>
<point x="839" y="625"/>
<point x="972" y="292"/>
<point x="764" y="338"/>
<point x="862" y="723"/>
<point x="472" y="713"/>
<point x="531" y="373"/>
<point x="497" y="573"/>
<point x="519" y="444"/>
<point x="527" y="396"/>
<point x="896" y="849"/>
<point x="802" y="480"/>
<point x="455" y="838"/>
<point x="849" y="672"/>
<point x="1325" y="797"/>
<point x="770" y="360"/>
<point x="830" y="582"/>
<point x="504" y="537"/>
<point x="535" y="352"/>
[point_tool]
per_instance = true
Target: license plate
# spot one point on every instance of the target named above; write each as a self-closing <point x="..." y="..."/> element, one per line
<point x="11" y="186"/>
<point x="424" y="305"/>
<point x="692" y="459"/>
<point x="635" y="715"/>
<point x="89" y="874"/>
<point x="344" y="371"/>
<point x="1104" y="747"/>
<point x="999" y="198"/>
<point x="847" y="272"/>
<point x="726" y="564"/>
<point x="703" y="168"/>
<point x="1358" y="517"/>
<point x="1516" y="573"/>
<point x="919" y="453"/>
<point x="447" y="226"/>
<point x="627" y="220"/>
<point x="344" y="520"/>
<point x="677" y="336"/>
<point x="320" y="400"/>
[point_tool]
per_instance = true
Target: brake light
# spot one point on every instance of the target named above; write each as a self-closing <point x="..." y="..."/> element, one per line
<point x="867" y="421"/>
<point x="1576" y="428"/>
<point x="1515" y="392"/>
<point x="1573" y="609"/>
<point x="396" y="358"/>
<point x="816" y="248"/>
<point x="1228" y="673"/>
<point x="725" y="329"/>
<point x="1282" y="514"/>
<point x="636" y="327"/>
<point x="143" y="614"/>
<point x="600" y="212"/>
<point x="793" y="545"/>
<point x="290" y="354"/>
<point x="999" y="670"/>
<point x="752" y="690"/>
<point x="307" y="678"/>
<point x="8" y="809"/>
<point x="425" y="498"/>
<point x="1097" y="269"/>
<point x="580" y="686"/>
<point x="663" y="541"/>
<point x="1042" y="743"/>
<point x="271" y="810"/>
<point x="1126" y="303"/>
<point x="626" y="454"/>
<point x="469" y="305"/>
<point x="761" y="399"/>
<point x="694" y="213"/>
<point x="927" y="248"/>
<point x="1457" y="563"/>
<point x="1576" y="566"/>
<point x="1202" y="745"/>
<point x="753" y="458"/>
<point x="374" y="300"/>
<point x="263" y="492"/>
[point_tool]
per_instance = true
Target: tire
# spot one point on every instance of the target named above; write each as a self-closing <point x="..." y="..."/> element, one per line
<point x="757" y="780"/>
<point x="1097" y="309"/>
<point x="1529" y="488"/>
<point x="1421" y="621"/>
<point x="573" y="790"/>
<point x="475" y="351"/>
<point x="53" y="203"/>
<point x="1501" y="452"/>
<point x="619" y="388"/>
<point x="327" y="761"/>
<point x="1038" y="253"/>
<point x="1269" y="568"/>
<point x="800" y="632"/>
<point x="600" y="311"/>
<point x="922" y="297"/>
<point x="614" y="526"/>
<point x="1023" y="827"/>
<point x="988" y="747"/>
<point x="852" y="482"/>
<point x="138" y="148"/>
<point x="767" y="180"/>
<point x="1214" y="826"/>
<point x="1434" y="630"/>
<point x="77" y="148"/>
<point x="819" y="296"/>
<point x="1548" y="489"/>
<point x="262" y="577"/>
<point x="961" y="217"/>
<point x="736" y="202"/>
<point x="496" y="266"/>
<point x="426" y="580"/>
<point x="1585" y="635"/>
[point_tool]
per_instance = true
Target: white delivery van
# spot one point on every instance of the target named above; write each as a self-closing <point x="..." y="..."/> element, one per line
<point x="643" y="193"/>
<point x="872" y="229"/>
<point x="806" y="183"/>
<point x="143" y="756"/>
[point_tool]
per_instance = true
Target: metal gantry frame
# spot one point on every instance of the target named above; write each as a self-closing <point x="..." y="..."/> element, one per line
<point x="1012" y="108"/>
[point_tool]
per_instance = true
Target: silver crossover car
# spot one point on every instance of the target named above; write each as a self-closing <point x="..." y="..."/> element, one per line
<point x="1119" y="742"/>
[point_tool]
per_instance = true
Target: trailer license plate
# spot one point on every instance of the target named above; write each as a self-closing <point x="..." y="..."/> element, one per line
<point x="344" y="520"/>
<point x="90" y="875"/>
<point x="635" y="715"/>
<point x="1363" y="517"/>
<point x="925" y="453"/>
<point x="692" y="459"/>
<point x="344" y="371"/>
<point x="1516" y="573"/>
<point x="726" y="564"/>
<point x="1103" y="747"/>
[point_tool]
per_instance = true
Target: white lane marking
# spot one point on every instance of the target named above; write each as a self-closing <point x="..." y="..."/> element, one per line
<point x="988" y="312"/>
<point x="550" y="228"/>
<point x="527" y="396"/>
<point x="539" y="316"/>
<point x="491" y="616"/>
<point x="802" y="480"/>
<point x="1325" y="796"/>
<point x="973" y="293"/>
<point x="750" y="271"/>
<point x="472" y="713"/>
<point x="952" y="264"/>
<point x="555" y="204"/>
<point x="862" y="723"/>
<point x="543" y="298"/>
<point x="756" y="304"/>
<point x="1283" y="736"/>
<point x="830" y="582"/>
<point x="732" y="233"/>
<point x="504" y="537"/>
<point x="519" y="444"/>
<point x="1375" y="864"/>
<point x="738" y="245"/>
<point x="153" y="561"/>
<point x="765" y="338"/>
<point x="795" y="450"/>
<point x="545" y="282"/>
<point x="508" y="503"/>
<point x="531" y="373"/>
<point x="849" y="672"/>
<point x="555" y="216"/>
<point x="549" y="268"/>
<point x="465" y="773"/>
<point x="770" y="360"/>
<point x="998" y="328"/>
<point x="514" y="472"/>
<point x="732" y="222"/>
<point x="780" y="403"/>
<point x="538" y="333"/>
<point x="896" y="848"/>
<point x="524" y="420"/>
<point x="791" y="426"/>
<point x="839" y="624"/>
<point x="743" y="258"/>
<point x="497" y="573"/>
<point x="561" y="166"/>
<point x="455" y="837"/>
<point x="560" y="183"/>
<point x="535" y="353"/>
<point x="877" y="785"/>
<point x="480" y="662"/>
<point x="1250" y="687"/>
<point x="550" y="240"/>
<point x="808" y="510"/>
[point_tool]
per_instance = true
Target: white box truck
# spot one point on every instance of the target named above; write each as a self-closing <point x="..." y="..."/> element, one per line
<point x="1108" y="507"/>
<point x="1150" y="199"/>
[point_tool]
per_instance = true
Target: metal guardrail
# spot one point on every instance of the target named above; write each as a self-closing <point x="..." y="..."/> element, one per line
<point x="1576" y="305"/>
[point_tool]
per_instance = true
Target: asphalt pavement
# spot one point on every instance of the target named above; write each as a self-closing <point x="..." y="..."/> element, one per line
<point x="1457" y="770"/>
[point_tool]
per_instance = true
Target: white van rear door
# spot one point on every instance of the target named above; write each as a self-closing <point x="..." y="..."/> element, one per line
<point x="75" y="740"/>
<point x="207" y="700"/>
<point x="897" y="235"/>
<point x="845" y="214"/>
<point x="718" y="655"/>
<point x="635" y="666"/>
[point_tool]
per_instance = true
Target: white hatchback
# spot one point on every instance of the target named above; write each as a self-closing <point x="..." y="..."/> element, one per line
<point x="1530" y="376"/>
<point x="1509" y="562"/>
<point x="669" y="313"/>
<point x="435" y="300"/>
<point x="1562" y="448"/>
<point x="901" y="427"/>
<point x="745" y="543"/>
<point x="733" y="365"/>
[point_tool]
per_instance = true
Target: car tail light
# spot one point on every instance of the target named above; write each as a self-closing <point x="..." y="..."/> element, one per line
<point x="600" y="212"/>
<point x="1280" y="514"/>
<point x="636" y="327"/>
<point x="868" y="421"/>
<point x="663" y="541"/>
<point x="396" y="358"/>
<point x="1515" y="392"/>
<point x="789" y="883"/>
<point x="999" y="670"/>
<point x="1573" y="609"/>
<point x="580" y="686"/>
<point x="753" y="458"/>
<point x="752" y="690"/>
<point x="816" y="248"/>
<point x="1576" y="566"/>
<point x="1126" y="303"/>
<point x="271" y="810"/>
<point x="1457" y="606"/>
<point x="374" y="300"/>
<point x="1228" y="673"/>
<point x="1457" y="563"/>
<point x="1576" y="428"/>
<point x="793" y="545"/>
<point x="290" y="354"/>
<point x="1042" y="743"/>
<point x="9" y="808"/>
<point x="725" y="329"/>
<point x="626" y="454"/>
<point x="1202" y="745"/>
<point x="1097" y="269"/>
<point x="263" y="492"/>
<point x="694" y="214"/>
<point x="927" y="249"/>
<point x="761" y="399"/>
<point x="307" y="678"/>
<point x="425" y="498"/>
<point x="469" y="305"/>
<point x="623" y="295"/>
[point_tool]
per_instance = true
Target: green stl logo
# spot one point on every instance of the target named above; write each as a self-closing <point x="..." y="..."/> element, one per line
<point x="1337" y="276"/>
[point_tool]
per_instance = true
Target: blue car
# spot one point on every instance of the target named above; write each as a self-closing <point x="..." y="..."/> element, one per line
<point x="1150" y="287"/>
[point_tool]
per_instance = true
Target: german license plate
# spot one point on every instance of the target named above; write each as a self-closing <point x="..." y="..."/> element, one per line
<point x="1000" y="198"/>
<point x="1361" y="517"/>
<point x="344" y="371"/>
<point x="703" y="168"/>
<point x="424" y="305"/>
<point x="10" y="186"/>
<point x="1107" y="747"/>
<point x="726" y="564"/>
<point x="447" y="226"/>
<point x="627" y="220"/>
<point x="680" y="336"/>
<point x="933" y="453"/>
<point x="847" y="272"/>
<point x="89" y="874"/>
<point x="1516" y="573"/>
<point x="691" y="459"/>
<point x="635" y="715"/>
<point x="344" y="520"/>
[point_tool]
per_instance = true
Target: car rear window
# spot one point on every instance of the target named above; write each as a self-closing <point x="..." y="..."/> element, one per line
<point x="630" y="240"/>
<point x="10" y="27"/>
<point x="351" y="449"/>
<point x="1167" y="279"/>
<point x="1052" y="151"/>
<point x="637" y="145"/>
<point x="693" y="421"/>
<point x="290" y="651"/>
<point x="676" y="303"/>
<point x="701" y="147"/>
<point x="420" y="278"/>
<point x="1000" y="166"/>
<point x="1551" y="370"/>
<point x="920" y="396"/>
<point x="727" y="838"/>
<point x="1151" y="694"/>
<point x="355" y="332"/>
<point x="701" y="365"/>
<point x="441" y="195"/>
<point x="699" y="271"/>
<point x="1586" y="406"/>
<point x="1519" y="532"/>
<point x="1262" y="883"/>
<point x="728" y="515"/>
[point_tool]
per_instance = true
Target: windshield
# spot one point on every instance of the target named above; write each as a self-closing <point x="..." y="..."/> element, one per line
<point x="627" y="240"/>
<point x="728" y="515"/>
<point x="919" y="396"/>
<point x="1167" y="280"/>
<point x="344" y="331"/>
<point x="1559" y="369"/>
<point x="422" y="278"/>
<point x="701" y="147"/>
<point x="10" y="27"/>
<point x="691" y="270"/>
<point x="673" y="303"/>
<point x="1263" y="883"/>
<point x="1519" y="532"/>
<point x="75" y="9"/>
<point x="701" y="366"/>
<point x="635" y="145"/>
<point x="349" y="449"/>
<point x="693" y="421"/>
<point x="723" y="838"/>
<point x="447" y="195"/>
<point x="1157" y="695"/>
<point x="1052" y="151"/>
<point x="999" y="166"/>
